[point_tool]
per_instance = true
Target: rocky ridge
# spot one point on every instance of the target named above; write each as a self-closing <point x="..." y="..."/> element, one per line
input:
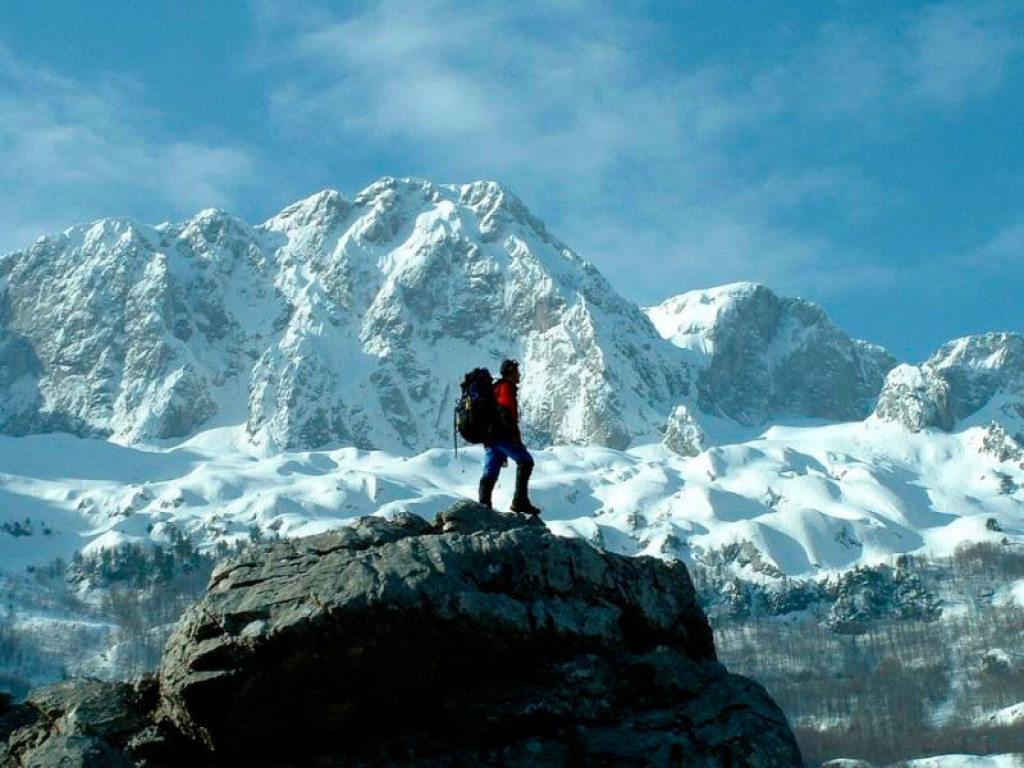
<point x="479" y="640"/>
<point x="349" y="322"/>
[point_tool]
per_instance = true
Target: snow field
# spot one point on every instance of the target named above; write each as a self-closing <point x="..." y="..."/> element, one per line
<point x="812" y="498"/>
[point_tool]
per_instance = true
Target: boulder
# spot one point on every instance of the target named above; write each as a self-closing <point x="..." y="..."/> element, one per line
<point x="80" y="723"/>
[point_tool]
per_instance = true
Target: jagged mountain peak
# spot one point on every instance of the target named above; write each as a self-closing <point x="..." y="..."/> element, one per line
<point x="212" y="226"/>
<point x="974" y="380"/>
<point x="388" y="188"/>
<point x="326" y="208"/>
<point x="333" y="317"/>
<point x="105" y="232"/>
<point x="495" y="204"/>
<point x="695" y="318"/>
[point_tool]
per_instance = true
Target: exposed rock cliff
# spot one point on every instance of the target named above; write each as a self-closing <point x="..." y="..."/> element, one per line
<point x="683" y="435"/>
<point x="479" y="640"/>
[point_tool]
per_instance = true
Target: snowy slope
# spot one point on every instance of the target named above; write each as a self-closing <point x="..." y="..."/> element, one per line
<point x="812" y="499"/>
<point x="969" y="761"/>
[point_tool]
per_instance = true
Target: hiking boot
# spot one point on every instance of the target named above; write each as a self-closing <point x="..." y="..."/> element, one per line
<point x="486" y="487"/>
<point x="521" y="498"/>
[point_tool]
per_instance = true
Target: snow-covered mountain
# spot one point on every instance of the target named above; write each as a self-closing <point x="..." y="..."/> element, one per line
<point x="762" y="357"/>
<point x="237" y="378"/>
<point x="349" y="323"/>
<point x="334" y="321"/>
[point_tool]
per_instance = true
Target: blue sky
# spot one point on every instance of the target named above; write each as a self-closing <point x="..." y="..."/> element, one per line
<point x="866" y="155"/>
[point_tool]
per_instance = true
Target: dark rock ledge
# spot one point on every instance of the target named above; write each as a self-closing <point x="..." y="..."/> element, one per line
<point x="480" y="640"/>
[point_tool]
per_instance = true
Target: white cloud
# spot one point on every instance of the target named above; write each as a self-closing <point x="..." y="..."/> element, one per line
<point x="963" y="51"/>
<point x="72" y="150"/>
<point x="1002" y="253"/>
<point x="625" y="153"/>
<point x="569" y="106"/>
<point x="628" y="153"/>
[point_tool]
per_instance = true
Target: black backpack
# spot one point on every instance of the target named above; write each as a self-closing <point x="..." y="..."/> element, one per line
<point x="475" y="410"/>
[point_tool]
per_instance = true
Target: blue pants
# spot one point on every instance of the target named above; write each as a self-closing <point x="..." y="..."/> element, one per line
<point x="496" y="453"/>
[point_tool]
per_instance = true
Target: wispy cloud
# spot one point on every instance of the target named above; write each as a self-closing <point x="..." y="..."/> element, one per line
<point x="702" y="166"/>
<point x="1002" y="253"/>
<point x="963" y="51"/>
<point x="934" y="59"/>
<point x="689" y="167"/>
<point x="567" y="103"/>
<point x="72" y="150"/>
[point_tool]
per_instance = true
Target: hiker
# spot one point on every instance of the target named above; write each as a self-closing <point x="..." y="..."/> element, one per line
<point x="506" y="442"/>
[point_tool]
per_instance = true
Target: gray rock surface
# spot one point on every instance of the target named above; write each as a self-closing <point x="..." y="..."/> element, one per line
<point x="79" y="723"/>
<point x="980" y="367"/>
<point x="683" y="435"/>
<point x="485" y="640"/>
<point x="479" y="640"/>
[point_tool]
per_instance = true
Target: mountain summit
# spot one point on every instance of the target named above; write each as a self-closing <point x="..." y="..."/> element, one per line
<point x="334" y="321"/>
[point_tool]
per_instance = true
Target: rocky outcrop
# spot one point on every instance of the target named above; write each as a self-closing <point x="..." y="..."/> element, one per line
<point x="978" y="368"/>
<point x="916" y="397"/>
<point x="80" y="723"/>
<point x="683" y="435"/>
<point x="479" y="640"/>
<point x="973" y="381"/>
<point x="995" y="442"/>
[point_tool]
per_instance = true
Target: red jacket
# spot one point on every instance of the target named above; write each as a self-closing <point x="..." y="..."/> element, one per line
<point x="508" y="411"/>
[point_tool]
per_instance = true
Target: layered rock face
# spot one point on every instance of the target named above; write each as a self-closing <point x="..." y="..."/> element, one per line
<point x="978" y="368"/>
<point x="762" y="357"/>
<point x="334" y="321"/>
<point x="479" y="640"/>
